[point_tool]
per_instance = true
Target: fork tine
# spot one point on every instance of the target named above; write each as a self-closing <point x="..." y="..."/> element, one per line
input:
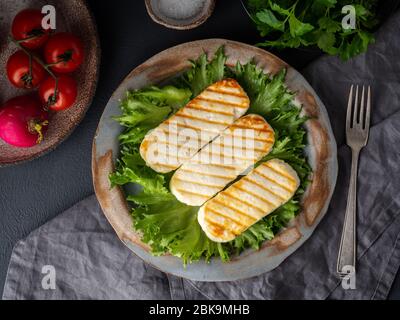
<point x="349" y="104"/>
<point x="355" y="110"/>
<point x="361" y="118"/>
<point x="368" y="112"/>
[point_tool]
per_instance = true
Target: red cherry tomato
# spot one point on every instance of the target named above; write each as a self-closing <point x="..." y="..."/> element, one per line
<point x="66" y="92"/>
<point x="64" y="52"/>
<point x="18" y="71"/>
<point x="27" y="24"/>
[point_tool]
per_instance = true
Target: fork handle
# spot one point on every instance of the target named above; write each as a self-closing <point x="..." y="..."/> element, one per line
<point x="347" y="252"/>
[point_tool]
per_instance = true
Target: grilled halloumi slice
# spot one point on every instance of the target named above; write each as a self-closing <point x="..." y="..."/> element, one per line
<point x="239" y="147"/>
<point x="248" y="200"/>
<point x="182" y="135"/>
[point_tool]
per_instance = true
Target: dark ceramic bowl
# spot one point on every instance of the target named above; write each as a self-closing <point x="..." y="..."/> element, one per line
<point x="72" y="16"/>
<point x="185" y="20"/>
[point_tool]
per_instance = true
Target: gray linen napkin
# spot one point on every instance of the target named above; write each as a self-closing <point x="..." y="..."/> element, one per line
<point x="90" y="262"/>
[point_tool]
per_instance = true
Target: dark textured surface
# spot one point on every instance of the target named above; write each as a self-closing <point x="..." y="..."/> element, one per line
<point x="33" y="193"/>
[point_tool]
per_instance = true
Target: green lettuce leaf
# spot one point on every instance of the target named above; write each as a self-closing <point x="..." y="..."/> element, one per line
<point x="171" y="226"/>
<point x="204" y="73"/>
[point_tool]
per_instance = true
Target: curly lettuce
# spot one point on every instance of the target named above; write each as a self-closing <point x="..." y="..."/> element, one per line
<point x="170" y="226"/>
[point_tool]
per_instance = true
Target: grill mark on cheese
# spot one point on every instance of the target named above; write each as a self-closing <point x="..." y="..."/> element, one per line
<point x="209" y="174"/>
<point x="218" y="213"/>
<point x="256" y="139"/>
<point x="184" y="125"/>
<point x="210" y="154"/>
<point x="217" y="230"/>
<point x="263" y="187"/>
<point x="225" y="92"/>
<point x="202" y="138"/>
<point x="241" y="213"/>
<point x="199" y="183"/>
<point x="231" y="83"/>
<point x="283" y="174"/>
<point x="193" y="193"/>
<point x="165" y="165"/>
<point x="175" y="144"/>
<point x="219" y="106"/>
<point x="233" y="97"/>
<point x="238" y="126"/>
<point x="186" y="116"/>
<point x="174" y="154"/>
<point x="223" y="227"/>
<point x="203" y="108"/>
<point x="230" y="195"/>
<point x="222" y="102"/>
<point x="229" y="167"/>
<point x="273" y="181"/>
<point x="244" y="147"/>
<point x="236" y="186"/>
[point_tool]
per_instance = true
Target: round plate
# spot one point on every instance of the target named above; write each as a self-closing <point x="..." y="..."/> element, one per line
<point x="72" y="16"/>
<point x="321" y="152"/>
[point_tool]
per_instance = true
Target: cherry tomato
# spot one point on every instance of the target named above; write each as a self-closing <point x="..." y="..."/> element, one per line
<point x="18" y="71"/>
<point x="66" y="92"/>
<point x="64" y="52"/>
<point x="27" y="24"/>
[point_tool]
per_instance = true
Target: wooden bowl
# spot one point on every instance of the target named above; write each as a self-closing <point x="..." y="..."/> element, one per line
<point x="72" y="16"/>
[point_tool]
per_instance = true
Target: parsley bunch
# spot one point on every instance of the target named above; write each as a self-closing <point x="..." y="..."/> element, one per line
<point x="295" y="23"/>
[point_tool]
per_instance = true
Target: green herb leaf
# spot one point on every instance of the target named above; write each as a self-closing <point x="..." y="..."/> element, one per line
<point x="319" y="6"/>
<point x="267" y="16"/>
<point x="328" y="24"/>
<point x="314" y="23"/>
<point x="284" y="12"/>
<point x="298" y="28"/>
<point x="326" y="42"/>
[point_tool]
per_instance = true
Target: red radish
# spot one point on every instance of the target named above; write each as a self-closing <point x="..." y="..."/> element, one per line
<point x="23" y="122"/>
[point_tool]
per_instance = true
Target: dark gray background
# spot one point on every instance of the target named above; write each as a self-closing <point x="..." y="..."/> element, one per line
<point x="35" y="192"/>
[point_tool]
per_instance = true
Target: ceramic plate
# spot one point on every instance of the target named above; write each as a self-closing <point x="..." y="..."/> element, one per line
<point x="321" y="152"/>
<point x="72" y="16"/>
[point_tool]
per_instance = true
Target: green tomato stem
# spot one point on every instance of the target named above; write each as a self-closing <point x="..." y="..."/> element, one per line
<point x="30" y="54"/>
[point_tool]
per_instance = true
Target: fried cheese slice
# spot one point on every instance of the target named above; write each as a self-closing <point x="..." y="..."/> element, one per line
<point x="180" y="137"/>
<point x="236" y="150"/>
<point x="248" y="200"/>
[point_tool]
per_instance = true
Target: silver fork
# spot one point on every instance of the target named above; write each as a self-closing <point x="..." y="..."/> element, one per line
<point x="357" y="131"/>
